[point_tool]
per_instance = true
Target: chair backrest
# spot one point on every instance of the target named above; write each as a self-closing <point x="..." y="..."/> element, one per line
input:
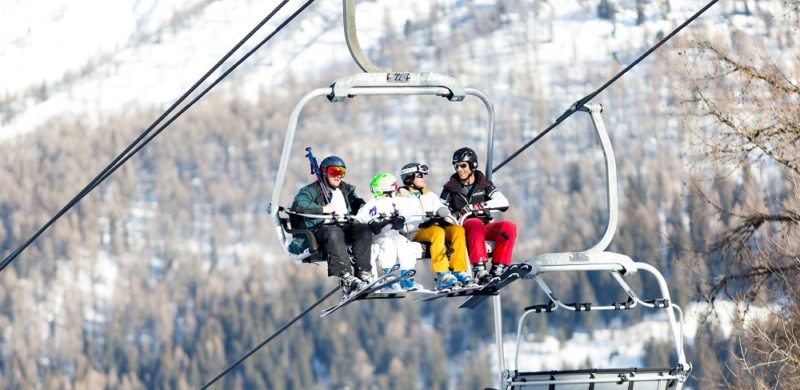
<point x="284" y="223"/>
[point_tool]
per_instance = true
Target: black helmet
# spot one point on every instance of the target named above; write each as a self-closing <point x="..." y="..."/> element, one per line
<point x="410" y="170"/>
<point x="332" y="161"/>
<point x="467" y="155"/>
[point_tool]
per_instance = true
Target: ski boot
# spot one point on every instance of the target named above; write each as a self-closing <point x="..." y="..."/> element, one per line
<point x="498" y="269"/>
<point x="366" y="277"/>
<point x="464" y="278"/>
<point x="392" y="288"/>
<point x="480" y="274"/>
<point x="445" y="280"/>
<point x="409" y="284"/>
<point x="350" y="283"/>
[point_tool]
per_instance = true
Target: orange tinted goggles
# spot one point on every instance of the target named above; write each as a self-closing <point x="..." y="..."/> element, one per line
<point x="334" y="171"/>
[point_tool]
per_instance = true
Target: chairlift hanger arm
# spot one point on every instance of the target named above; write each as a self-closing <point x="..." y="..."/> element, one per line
<point x="351" y="37"/>
<point x="405" y="83"/>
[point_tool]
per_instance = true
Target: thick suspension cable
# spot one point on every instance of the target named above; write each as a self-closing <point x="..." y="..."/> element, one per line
<point x="207" y="89"/>
<point x="270" y="338"/>
<point x="130" y="151"/>
<point x="578" y="104"/>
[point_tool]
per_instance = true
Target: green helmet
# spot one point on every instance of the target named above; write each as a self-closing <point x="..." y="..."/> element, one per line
<point x="383" y="183"/>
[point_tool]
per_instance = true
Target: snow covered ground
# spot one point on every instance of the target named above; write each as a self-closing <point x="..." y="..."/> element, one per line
<point x="89" y="58"/>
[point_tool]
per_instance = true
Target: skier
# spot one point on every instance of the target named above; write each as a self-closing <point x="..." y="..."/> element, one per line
<point x="442" y="233"/>
<point x="333" y="239"/>
<point x="386" y="216"/>
<point x="468" y="193"/>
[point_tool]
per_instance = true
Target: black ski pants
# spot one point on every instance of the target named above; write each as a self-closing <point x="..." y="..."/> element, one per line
<point x="333" y="241"/>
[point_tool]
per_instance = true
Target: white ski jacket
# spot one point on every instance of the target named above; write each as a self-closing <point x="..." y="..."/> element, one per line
<point x="423" y="202"/>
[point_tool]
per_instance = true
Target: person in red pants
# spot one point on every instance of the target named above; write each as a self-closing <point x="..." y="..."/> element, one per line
<point x="471" y="195"/>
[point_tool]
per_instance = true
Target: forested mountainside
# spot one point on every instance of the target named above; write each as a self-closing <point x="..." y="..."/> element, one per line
<point x="170" y="270"/>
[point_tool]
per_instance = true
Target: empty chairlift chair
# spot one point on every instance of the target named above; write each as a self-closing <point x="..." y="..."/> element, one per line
<point x="620" y="266"/>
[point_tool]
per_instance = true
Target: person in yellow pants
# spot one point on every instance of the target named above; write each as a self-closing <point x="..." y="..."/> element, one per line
<point x="441" y="231"/>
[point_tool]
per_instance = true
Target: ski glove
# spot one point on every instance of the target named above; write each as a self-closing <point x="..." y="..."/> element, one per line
<point x="474" y="208"/>
<point x="378" y="224"/>
<point x="398" y="222"/>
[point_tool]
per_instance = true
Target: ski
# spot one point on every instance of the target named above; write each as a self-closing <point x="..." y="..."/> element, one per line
<point x="376" y="292"/>
<point x="420" y="295"/>
<point x="385" y="295"/>
<point x="450" y="292"/>
<point x="377" y="284"/>
<point x="513" y="273"/>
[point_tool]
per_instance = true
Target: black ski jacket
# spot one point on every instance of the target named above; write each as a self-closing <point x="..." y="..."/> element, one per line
<point x="455" y="197"/>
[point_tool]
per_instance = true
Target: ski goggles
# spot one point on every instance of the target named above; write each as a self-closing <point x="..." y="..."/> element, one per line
<point x="419" y="170"/>
<point x="335" y="171"/>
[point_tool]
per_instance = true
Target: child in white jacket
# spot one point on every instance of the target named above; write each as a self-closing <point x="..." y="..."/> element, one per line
<point x="386" y="215"/>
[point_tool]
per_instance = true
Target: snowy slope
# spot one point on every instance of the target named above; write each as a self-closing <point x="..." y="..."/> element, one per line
<point x="89" y="58"/>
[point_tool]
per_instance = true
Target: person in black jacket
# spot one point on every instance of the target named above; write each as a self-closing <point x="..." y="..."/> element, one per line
<point x="340" y="198"/>
<point x="468" y="194"/>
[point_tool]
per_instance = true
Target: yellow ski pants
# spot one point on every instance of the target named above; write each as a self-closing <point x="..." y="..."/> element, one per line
<point x="440" y="238"/>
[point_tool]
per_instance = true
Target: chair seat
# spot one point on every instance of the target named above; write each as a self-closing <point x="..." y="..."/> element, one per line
<point x="581" y="261"/>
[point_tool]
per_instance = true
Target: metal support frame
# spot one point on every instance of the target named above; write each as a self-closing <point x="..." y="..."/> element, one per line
<point x="597" y="259"/>
<point x="595" y="111"/>
<point x="680" y="373"/>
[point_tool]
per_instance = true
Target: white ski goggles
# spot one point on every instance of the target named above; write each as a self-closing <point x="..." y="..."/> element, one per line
<point x="423" y="169"/>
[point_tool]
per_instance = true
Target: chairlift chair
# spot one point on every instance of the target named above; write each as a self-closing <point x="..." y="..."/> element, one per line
<point x="376" y="81"/>
<point x="363" y="84"/>
<point x="620" y="266"/>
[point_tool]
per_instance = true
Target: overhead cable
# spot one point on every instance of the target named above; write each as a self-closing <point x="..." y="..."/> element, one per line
<point x="270" y="338"/>
<point x="578" y="104"/>
<point x="144" y="138"/>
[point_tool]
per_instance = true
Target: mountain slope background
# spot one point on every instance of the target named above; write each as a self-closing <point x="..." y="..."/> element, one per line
<point x="170" y="270"/>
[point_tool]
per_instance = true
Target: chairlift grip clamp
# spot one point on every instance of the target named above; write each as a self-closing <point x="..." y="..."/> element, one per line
<point x="581" y="306"/>
<point x="659" y="303"/>
<point x="623" y="305"/>
<point x="543" y="308"/>
<point x="343" y="88"/>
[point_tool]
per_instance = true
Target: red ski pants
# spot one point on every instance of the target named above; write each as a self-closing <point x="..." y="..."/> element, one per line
<point x="503" y="233"/>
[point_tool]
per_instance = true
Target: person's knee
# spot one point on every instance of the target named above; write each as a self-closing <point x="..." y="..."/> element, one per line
<point x="510" y="230"/>
<point x="512" y="227"/>
<point x="331" y="233"/>
<point x="473" y="223"/>
<point x="437" y="236"/>
<point x="361" y="231"/>
<point x="457" y="233"/>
